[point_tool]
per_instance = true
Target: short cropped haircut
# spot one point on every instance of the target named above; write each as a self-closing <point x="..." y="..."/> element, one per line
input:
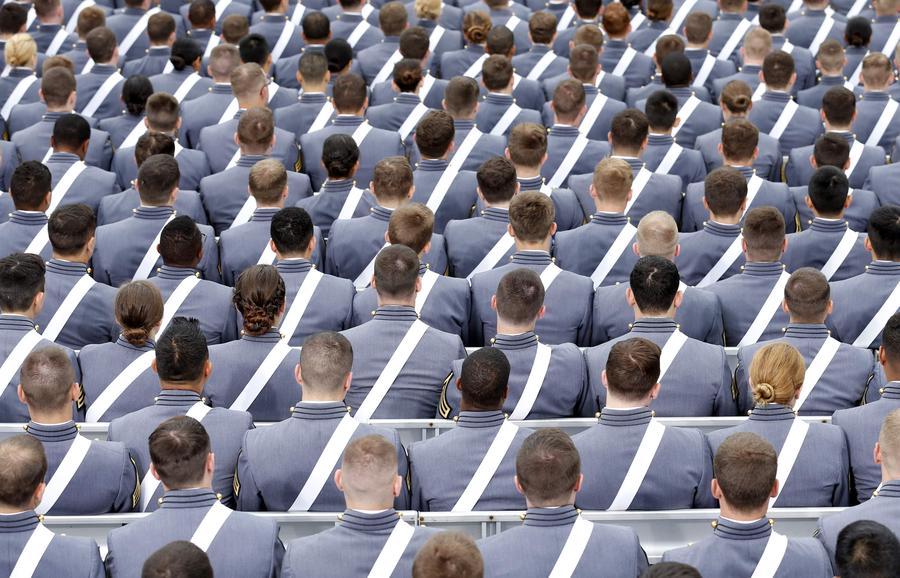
<point x="396" y="271"/>
<point x="313" y="66"/>
<point x="668" y="44"/>
<point x="392" y="18"/>
<point x="224" y="58"/>
<point x="71" y="131"/>
<point x="839" y="104"/>
<point x="179" y="448"/>
<point x="461" y="96"/>
<point x="268" y="179"/>
<point x="676" y="70"/>
<point x="247" y="80"/>
<point x="414" y="43"/>
<point x="70" y="227"/>
<point x="339" y="155"/>
<point x="867" y="549"/>
<point x="46" y="377"/>
<point x="588" y="34"/>
<point x="57" y="85"/>
<point x="434" y="133"/>
<point x="157" y="178"/>
<point x="160" y="27"/>
<point x="531" y="216"/>
<point x="616" y="19"/>
<point x="725" y="189"/>
<point x="325" y="360"/>
<point x="527" y="144"/>
<point x="12" y="18"/>
<point x="101" y="44"/>
<point x="392" y="178"/>
<point x="828" y="190"/>
<point x="831" y="150"/>
<point x="153" y="143"/>
<point x="657" y="234"/>
<point x="21" y="279"/>
<point x="661" y="109"/>
<point x="831" y="57"/>
<point x="884" y="232"/>
<point x="369" y="463"/>
<point x="654" y="283"/>
<point x="777" y="69"/>
<point x="632" y="368"/>
<point x="180" y="242"/>
<point x="349" y="93"/>
<point x="181" y="352"/>
<point x="234" y="27"/>
<point x="542" y="27"/>
<point x="568" y="99"/>
<point x="484" y="378"/>
<point x="583" y="62"/>
<point x="256" y="129"/>
<point x="291" y="230"/>
<point x="772" y="17"/>
<point x="890" y="339"/>
<point x="697" y="27"/>
<point x="876" y="69"/>
<point x="497" y="180"/>
<point x="201" y="13"/>
<point x="548" y="466"/>
<point x="180" y="559"/>
<point x="612" y="179"/>
<point x="30" y="185"/>
<point x="315" y="26"/>
<point x="449" y="555"/>
<point x="23" y="465"/>
<point x="764" y="233"/>
<point x="745" y="466"/>
<point x="520" y="296"/>
<point x="500" y="40"/>
<point x="629" y="129"/>
<point x="889" y="440"/>
<point x="497" y="72"/>
<point x="411" y="225"/>
<point x="807" y="294"/>
<point x="89" y="18"/>
<point x="163" y="111"/>
<point x="740" y="138"/>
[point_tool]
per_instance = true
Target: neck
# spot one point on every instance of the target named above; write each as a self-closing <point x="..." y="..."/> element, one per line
<point x="249" y="151"/>
<point x="356" y="112"/>
<point x="815" y="321"/>
<point x="614" y="401"/>
<point x="529" y="246"/>
<point x="82" y="257"/>
<point x="565" y="121"/>
<point x="831" y="127"/>
<point x="610" y="206"/>
<point x="618" y="151"/>
<point x="833" y="217"/>
<point x="282" y="256"/>
<point x="751" y="258"/>
<point x="7" y="509"/>
<point x="195" y="387"/>
<point x="29" y="314"/>
<point x="726" y="219"/>
<point x="388" y="300"/>
<point x="314" y="88"/>
<point x="51" y="416"/>
<point x="555" y="503"/>
<point x="726" y="511"/>
<point x="389" y="203"/>
<point x="506" y="90"/>
<point x="310" y="394"/>
<point x="691" y="46"/>
<point x="507" y="328"/>
<point x="739" y="163"/>
<point x="638" y="314"/>
<point x="464" y="116"/>
<point x="60" y="108"/>
<point x="661" y="131"/>
<point x="59" y="149"/>
<point x="773" y="88"/>
<point x="497" y="205"/>
<point x="524" y="172"/>
<point x="753" y="62"/>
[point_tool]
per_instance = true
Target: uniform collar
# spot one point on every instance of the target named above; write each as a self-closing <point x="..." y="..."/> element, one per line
<point x="721" y="229"/>
<point x="169" y="272"/>
<point x="499" y="99"/>
<point x="772" y="412"/>
<point x="103" y="69"/>
<point x="625" y="417"/>
<point x="763" y="269"/>
<point x="463" y="125"/>
<point x="132" y="11"/>
<point x="747" y="172"/>
<point x="891" y="390"/>
<point x="177" y="397"/>
<point x="188" y="499"/>
<point x="277" y="18"/>
<point x="15" y="322"/>
<point x="58" y="432"/>
<point x="531" y="183"/>
<point x="531" y="258"/>
<point x="48" y="27"/>
<point x="496" y="214"/>
<point x="879" y="96"/>
<point x="831" y="80"/>
<point x="654" y="325"/>
<point x="730" y="16"/>
<point x="220" y="88"/>
<point x="731" y="530"/>
<point x="347" y="120"/>
<point x="807" y="330"/>
<point x="407" y="98"/>
<point x="635" y="163"/>
<point x="67" y="267"/>
<point x="350" y="16"/>
<point x="432" y="165"/>
<point x="564" y="130"/>
<point x="381" y="213"/>
<point x="660" y="139"/>
<point x="889" y="489"/>
<point x="63" y="158"/>
<point x="539" y="49"/>
<point x="475" y="48"/>
<point x="525" y="340"/>
<point x="685" y="91"/>
<point x="396" y="313"/>
<point x="369" y="523"/>
<point x="844" y="134"/>
<point x="270" y="336"/>
<point x="604" y="218"/>
<point x="20" y="522"/>
<point x="319" y="411"/>
<point x="28" y="218"/>
<point x="149" y="345"/>
<point x="20" y="72"/>
<point x="294" y="265"/>
<point x="780" y="97"/>
<point x="314" y="97"/>
<point x="155" y="213"/>
<point x="883" y="268"/>
<point x="250" y="160"/>
<point x="828" y="225"/>
<point x="481" y="419"/>
<point x="264" y="214"/>
<point x="159" y="51"/>
<point x="337" y="186"/>
<point x="548" y="517"/>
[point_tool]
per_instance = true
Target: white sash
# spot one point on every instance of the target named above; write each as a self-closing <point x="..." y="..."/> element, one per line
<point x="766" y="312"/>
<point x="322" y="118"/>
<point x="213" y="41"/>
<point x="30" y="18"/>
<point x="500" y="248"/>
<point x="321" y="471"/>
<point x="357" y="33"/>
<point x="64" y="473"/>
<point x="72" y="24"/>
<point x="169" y="67"/>
<point x="475" y="69"/>
<point x="367" y="10"/>
<point x="33" y="552"/>
<point x="105" y="89"/>
<point x="637" y="21"/>
<point x="283" y="39"/>
<point x="361" y="132"/>
<point x="754" y="184"/>
<point x="57" y="42"/>
<point x="739" y="31"/>
<point x="668" y="161"/>
<point x="787" y="457"/>
<point x="637" y="471"/>
<point x="599" y="80"/>
<point x="435" y="37"/>
<point x="234" y="159"/>
<point x="267" y="257"/>
<point x="364" y="278"/>
<point x="388" y="67"/>
<point x="487" y="468"/>
<point x="393" y="550"/>
<point x="117" y="386"/>
<point x="230" y="111"/>
<point x="453" y="167"/>
<point x="185" y="87"/>
<point x="512" y="23"/>
<point x="784" y="119"/>
<point x="534" y="383"/>
<point x="724" y="263"/>
<point x="210" y="525"/>
<point x="670" y="351"/>
<point x="429" y="279"/>
<point x="637" y="187"/>
<point x="568" y="162"/>
<point x="772" y="555"/>
<point x="350" y="203"/>
<point x="848" y="240"/>
<point x="15" y="358"/>
<point x="151" y="256"/>
<point x="674" y="25"/>
<point x="37" y="244"/>
<point x="821" y="35"/>
<point x="816" y="369"/>
<point x="245" y="213"/>
<point x="88" y="66"/>
<point x="615" y="251"/>
<point x="427" y="83"/>
<point x="176" y="300"/>
<point x="573" y="549"/>
<point x="64" y="184"/>
<point x="624" y="62"/>
<point x="261" y="376"/>
<point x="412" y="120"/>
<point x="17" y="94"/>
<point x="221" y="5"/>
<point x="67" y="307"/>
<point x="511" y="114"/>
<point x="856" y="8"/>
<point x="592" y="114"/>
<point x="685" y="112"/>
<point x="300" y="304"/>
<point x="47" y="155"/>
<point x="856" y="151"/>
<point x="891" y="43"/>
<point x="541" y="66"/>
<point x="887" y="115"/>
<point x="391" y="371"/>
<point x="136" y="31"/>
<point x="137" y="132"/>
<point x="868" y="334"/>
<point x="297" y="14"/>
<point x="549" y="275"/>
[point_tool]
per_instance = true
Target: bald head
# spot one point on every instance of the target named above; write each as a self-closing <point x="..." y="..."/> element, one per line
<point x="657" y="235"/>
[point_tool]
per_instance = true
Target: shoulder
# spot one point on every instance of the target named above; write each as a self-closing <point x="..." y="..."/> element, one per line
<point x="234" y="417"/>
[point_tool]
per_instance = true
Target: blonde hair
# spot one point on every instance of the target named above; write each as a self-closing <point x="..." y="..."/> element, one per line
<point x="776" y="373"/>
<point x="428" y="9"/>
<point x="889" y="440"/>
<point x="612" y="179"/>
<point x="476" y="25"/>
<point x="21" y="50"/>
<point x="657" y="235"/>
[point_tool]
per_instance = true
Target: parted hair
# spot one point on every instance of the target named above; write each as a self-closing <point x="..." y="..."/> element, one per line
<point x="157" y="177"/>
<point x="497" y="179"/>
<point x="56" y="86"/>
<point x="697" y="27"/>
<point x="163" y="111"/>
<point x="46" y="377"/>
<point x="392" y="178"/>
<point x="30" y="184"/>
<point x="484" y="378"/>
<point x="764" y="233"/>
<point x="828" y="190"/>
<point x="725" y="188"/>
<point x="449" y="555"/>
<point x="139" y="310"/>
<point x="583" y="62"/>
<point x="461" y="96"/>
<point x="776" y="374"/>
<point x="831" y="150"/>
<point x="745" y="466"/>
<point x="181" y="351"/>
<point x="259" y="297"/>
<point x="23" y="465"/>
<point x="414" y="43"/>
<point x="179" y="447"/>
<point x="434" y="133"/>
<point x="325" y="360"/>
<point x="884" y="232"/>
<point x="180" y="242"/>
<point x="179" y="559"/>
<point x="568" y="99"/>
<point x="531" y="216"/>
<point x="632" y="368"/>
<point x="411" y="225"/>
<point x="256" y="128"/>
<point x="396" y="271"/>
<point x="496" y="72"/>
<point x="339" y="155"/>
<point x="867" y="549"/>
<point x="153" y="143"/>
<point x="807" y="294"/>
<point x="740" y="138"/>
<point x="527" y="144"/>
<point x="654" y="282"/>
<point x="737" y="97"/>
<point x="613" y="178"/>
<point x="476" y="25"/>
<point x="542" y="27"/>
<point x="70" y="227"/>
<point x="407" y="74"/>
<point x="777" y="69"/>
<point x="548" y="465"/>
<point x="520" y="295"/>
<point x="268" y="179"/>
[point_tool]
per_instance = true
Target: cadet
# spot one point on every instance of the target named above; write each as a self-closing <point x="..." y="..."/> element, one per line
<point x="861" y="424"/>
<point x="837" y="375"/>
<point x="210" y="108"/>
<point x="322" y="425"/>
<point x="370" y="536"/>
<point x="618" y="58"/>
<point x="519" y="304"/>
<point x="135" y="93"/>
<point x="608" y="234"/>
<point x="348" y="24"/>
<point x="526" y="92"/>
<point x="813" y="23"/>
<point x="776" y="380"/>
<point x="399" y="362"/>
<point x="467" y="61"/>
<point x="84" y="477"/>
<point x="248" y="83"/>
<point x="866" y="548"/>
<point x="49" y="35"/>
<point x="882" y="507"/>
<point x="183" y="461"/>
<point x="498" y="112"/>
<point x="663" y="154"/>
<point x="30" y="189"/>
<point x="751" y="300"/>
<point x="278" y="30"/>
<point x="830" y="62"/>
<point x="679" y="470"/>
<point x="838" y="114"/>
<point x="112" y="385"/>
<point x="100" y="84"/>
<point x="225" y="195"/>
<point x="705" y="67"/>
<point x="23" y="466"/>
<point x="392" y="20"/>
<point x="449" y="555"/>
<point x="830" y="243"/>
<point x="470" y="468"/>
<point x="574" y="19"/>
<point x="87" y="19"/>
<point x="415" y="44"/>
<point x="254" y="49"/>
<point x="744" y="539"/>
<point x="178" y="559"/>
<point x="666" y="44"/>
<point x="877" y="122"/>
<point x="884" y="181"/>
<point x="313" y="109"/>
<point x="161" y="36"/>
<point x="728" y="29"/>
<point x="774" y="20"/>
<point x="628" y="138"/>
<point x="859" y="321"/>
<point x="128" y="249"/>
<point x="548" y="473"/>
<point x="182" y="363"/>
<point x="183" y="81"/>
<point x="350" y="102"/>
<point x="461" y="101"/>
<point x="700" y="315"/>
<point x="77" y="311"/>
<point x="776" y="113"/>
<point x="540" y="62"/>
<point x="405" y="110"/>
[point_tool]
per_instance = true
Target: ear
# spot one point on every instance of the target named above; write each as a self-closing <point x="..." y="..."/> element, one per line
<point x="829" y="309"/>
<point x="654" y="391"/>
<point x="21" y="394"/>
<point x="579" y="483"/>
<point x="705" y="204"/>
<point x="208" y="368"/>
<point x="882" y="356"/>
<point x="812" y="162"/>
<point x="720" y="149"/>
<point x="876" y="454"/>
<point x="153" y="365"/>
<point x="493" y="302"/>
<point x="542" y="311"/>
<point x="418" y="284"/>
<point x="153" y="471"/>
<point x="519" y="487"/>
<point x="629" y="296"/>
<point x="679" y="298"/>
<point x="347" y="381"/>
<point x="509" y="230"/>
<point x="635" y="249"/>
<point x="808" y="202"/>
<point x="210" y="462"/>
<point x="236" y="141"/>
<point x="75" y="391"/>
<point x="775" y="487"/>
<point x="715" y="489"/>
<point x="459" y="384"/>
<point x="604" y="379"/>
<point x="298" y="375"/>
<point x="39" y="493"/>
<point x="339" y="480"/>
<point x="593" y="192"/>
<point x="398" y="485"/>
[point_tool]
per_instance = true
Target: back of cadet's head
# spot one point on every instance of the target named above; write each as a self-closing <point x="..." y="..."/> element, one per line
<point x="583" y="63"/>
<point x="830" y="58"/>
<point x="153" y="143"/>
<point x="135" y="92"/>
<point x="476" y="25"/>
<point x="589" y="8"/>
<point x="589" y="34"/>
<point x="180" y="242"/>
<point x="876" y="70"/>
<point x="661" y="109"/>
<point x="764" y="234"/>
<point x="629" y="129"/>
<point x="234" y="27"/>
<point x="520" y="296"/>
<point x="867" y="549"/>
<point x="202" y="13"/>
<point x="778" y="68"/>
<point x="101" y="44"/>
<point x="268" y="181"/>
<point x="737" y="97"/>
<point x="57" y="84"/>
<point x="531" y="216"/>
<point x="616" y="19"/>
<point x="23" y="465"/>
<point x="725" y="190"/>
<point x="157" y="179"/>
<point x="392" y="179"/>
<point x="496" y="72"/>
<point x="254" y="48"/>
<point x="740" y="138"/>
<point x="181" y="352"/>
<point x="179" y="449"/>
<point x="776" y="374"/>
<point x="180" y="559"/>
<point x="772" y="17"/>
<point x="889" y="444"/>
<point x="428" y="9"/>
<point x="548" y="467"/>
<point x="339" y="54"/>
<point x="256" y="130"/>
<point x="46" y="377"/>
<point x="461" y="96"/>
<point x="71" y="131"/>
<point x="807" y="295"/>
<point x="13" y="17"/>
<point x="828" y="190"/>
<point x="259" y="294"/>
<point x="313" y="66"/>
<point x="884" y="232"/>
<point x="676" y="70"/>
<point x="831" y="150"/>
<point x="52" y="62"/>
<point x="568" y="100"/>
<point x="369" y="467"/>
<point x="392" y="18"/>
<point x="697" y="27"/>
<point x="839" y="104"/>
<point x="411" y="225"/>
<point x="291" y="231"/>
<point x="325" y="362"/>
<point x="497" y="180"/>
<point x="434" y="134"/>
<point x="70" y="228"/>
<point x="668" y="44"/>
<point x="163" y="112"/>
<point x="20" y="50"/>
<point x="30" y="184"/>
<point x="160" y="27"/>
<point x="858" y="32"/>
<point x="500" y="41"/>
<point x="744" y="468"/>
<point x="407" y="74"/>
<point x="396" y="272"/>
<point x="527" y="144"/>
<point x="484" y="378"/>
<point x="449" y="555"/>
<point x="340" y="153"/>
<point x="247" y="80"/>
<point x="139" y="310"/>
<point x="414" y="43"/>
<point x="659" y="10"/>
<point x="671" y="569"/>
<point x="223" y="59"/>
<point x="632" y="368"/>
<point x="612" y="179"/>
<point x="890" y="341"/>
<point x="657" y="234"/>
<point x="654" y="282"/>
<point x="21" y="279"/>
<point x="349" y="93"/>
<point x="542" y="27"/>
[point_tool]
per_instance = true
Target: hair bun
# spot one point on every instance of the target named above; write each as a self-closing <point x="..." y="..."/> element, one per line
<point x="136" y="336"/>
<point x="764" y="393"/>
<point x="178" y="63"/>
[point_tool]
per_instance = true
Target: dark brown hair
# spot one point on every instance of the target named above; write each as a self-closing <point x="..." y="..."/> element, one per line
<point x="259" y="297"/>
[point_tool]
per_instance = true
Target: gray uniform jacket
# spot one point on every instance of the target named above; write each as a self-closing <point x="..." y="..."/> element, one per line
<point x="798" y="170"/>
<point x="118" y="207"/>
<point x="742" y="296"/>
<point x="193" y="165"/>
<point x="567" y="206"/>
<point x="802" y="130"/>
<point x="868" y="111"/>
<point x="560" y="139"/>
<point x="170" y="82"/>
<point x="65" y="556"/>
<point x="152" y="63"/>
<point x="102" y="363"/>
<point x="461" y="196"/>
<point x="470" y="240"/>
<point x="217" y="142"/>
<point x="689" y="164"/>
<point x="204" y="111"/>
<point x="17" y="233"/>
<point x="701" y="250"/>
<point x="581" y="250"/>
<point x="638" y="72"/>
<point x="767" y="163"/>
<point x="34" y="142"/>
<point x="494" y="107"/>
<point x="814" y="246"/>
<point x="90" y="82"/>
<point x="209" y="302"/>
<point x="852" y="314"/>
<point x="297" y="118"/>
<point x="857" y="214"/>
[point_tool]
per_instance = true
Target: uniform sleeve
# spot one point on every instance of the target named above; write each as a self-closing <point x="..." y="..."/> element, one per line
<point x="587" y="401"/>
<point x="716" y="332"/>
<point x="476" y="329"/>
<point x="416" y="502"/>
<point x="824" y="539"/>
<point x="277" y="556"/>
<point x="210" y="263"/>
<point x="246" y="493"/>
<point x="584" y="328"/>
<point x="704" y="497"/>
<point x="742" y="383"/>
<point x="842" y="489"/>
<point x="640" y="556"/>
<point x="230" y="330"/>
<point x="351" y="315"/>
<point x="402" y="501"/>
<point x="875" y="381"/>
<point x="286" y="570"/>
<point x="129" y="495"/>
<point x="106" y="156"/>
<point x="726" y="400"/>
